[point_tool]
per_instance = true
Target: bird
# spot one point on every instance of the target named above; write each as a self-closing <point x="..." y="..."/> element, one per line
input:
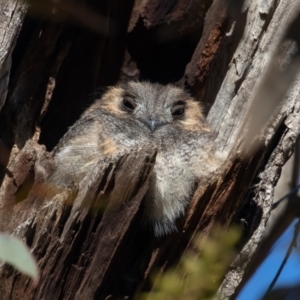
<point x="139" y="112"/>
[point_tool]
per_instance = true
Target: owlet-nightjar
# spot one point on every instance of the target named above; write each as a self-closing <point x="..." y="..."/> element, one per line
<point x="136" y="113"/>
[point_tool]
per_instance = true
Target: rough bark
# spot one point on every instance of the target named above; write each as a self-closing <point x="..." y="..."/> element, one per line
<point x="78" y="236"/>
<point x="223" y="53"/>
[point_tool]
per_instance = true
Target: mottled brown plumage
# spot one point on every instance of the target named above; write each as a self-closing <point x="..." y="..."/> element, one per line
<point x="143" y="113"/>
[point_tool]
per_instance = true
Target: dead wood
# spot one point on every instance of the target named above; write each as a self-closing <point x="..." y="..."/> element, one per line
<point x="78" y="236"/>
<point x="90" y="241"/>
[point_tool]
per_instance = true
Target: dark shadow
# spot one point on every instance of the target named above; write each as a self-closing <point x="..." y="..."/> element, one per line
<point x="162" y="52"/>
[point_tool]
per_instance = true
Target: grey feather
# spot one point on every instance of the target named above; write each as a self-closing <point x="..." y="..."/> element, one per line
<point x="142" y="113"/>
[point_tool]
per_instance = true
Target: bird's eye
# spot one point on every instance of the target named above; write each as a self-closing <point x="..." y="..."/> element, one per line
<point x="128" y="104"/>
<point x="178" y="111"/>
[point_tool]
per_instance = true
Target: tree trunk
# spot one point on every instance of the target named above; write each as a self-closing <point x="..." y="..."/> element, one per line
<point x="88" y="240"/>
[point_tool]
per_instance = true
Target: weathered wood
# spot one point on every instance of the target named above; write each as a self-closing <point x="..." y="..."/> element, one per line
<point x="12" y="14"/>
<point x="77" y="238"/>
<point x="84" y="252"/>
<point x="11" y="17"/>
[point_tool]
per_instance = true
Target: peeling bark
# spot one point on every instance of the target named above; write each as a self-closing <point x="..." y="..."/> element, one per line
<point x="69" y="231"/>
<point x="11" y="17"/>
<point x="90" y="240"/>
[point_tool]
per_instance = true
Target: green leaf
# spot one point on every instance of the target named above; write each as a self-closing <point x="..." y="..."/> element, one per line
<point x="14" y="252"/>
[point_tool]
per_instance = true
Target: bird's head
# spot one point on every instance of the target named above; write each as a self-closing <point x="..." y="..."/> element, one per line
<point x="154" y="106"/>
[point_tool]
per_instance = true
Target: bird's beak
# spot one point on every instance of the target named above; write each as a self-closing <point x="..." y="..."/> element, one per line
<point x="152" y="124"/>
